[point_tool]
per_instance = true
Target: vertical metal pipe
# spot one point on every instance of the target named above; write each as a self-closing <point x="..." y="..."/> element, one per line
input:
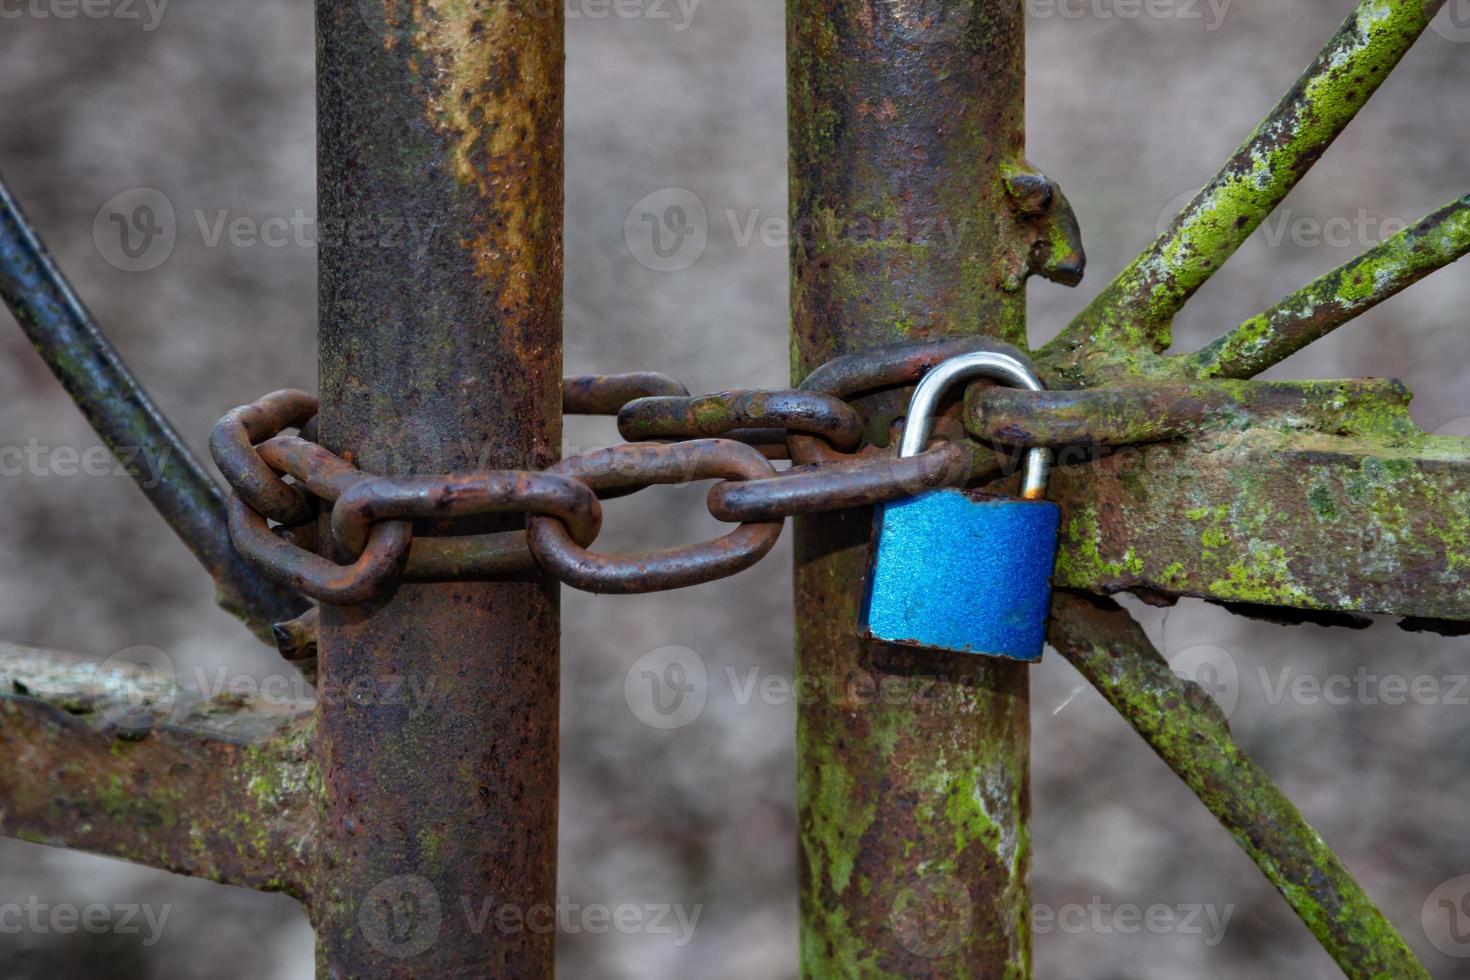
<point x="913" y="777"/>
<point x="440" y="182"/>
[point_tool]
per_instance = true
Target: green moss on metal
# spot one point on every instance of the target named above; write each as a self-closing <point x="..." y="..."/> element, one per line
<point x="1309" y="314"/>
<point x="1136" y="310"/>
<point x="1189" y="732"/>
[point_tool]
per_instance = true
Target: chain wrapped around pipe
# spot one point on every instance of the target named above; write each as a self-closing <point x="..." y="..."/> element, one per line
<point x="311" y="521"/>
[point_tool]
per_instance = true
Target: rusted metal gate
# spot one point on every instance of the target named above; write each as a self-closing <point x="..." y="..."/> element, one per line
<point x="449" y="519"/>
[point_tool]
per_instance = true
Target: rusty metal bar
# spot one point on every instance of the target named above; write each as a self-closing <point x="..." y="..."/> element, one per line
<point x="1305" y="520"/>
<point x="904" y="120"/>
<point x="606" y="394"/>
<point x="1135" y="312"/>
<point x="718" y="414"/>
<point x="1187" y="730"/>
<point x="1145" y="411"/>
<point x="440" y="354"/>
<point x="1312" y="313"/>
<point x="1251" y="492"/>
<point x="134" y="767"/>
<point x="126" y="419"/>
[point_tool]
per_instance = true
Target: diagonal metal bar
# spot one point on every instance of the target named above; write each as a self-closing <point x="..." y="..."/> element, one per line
<point x="1311" y="313"/>
<point x="1185" y="727"/>
<point x="1135" y="311"/>
<point x="134" y="767"/>
<point x="127" y="420"/>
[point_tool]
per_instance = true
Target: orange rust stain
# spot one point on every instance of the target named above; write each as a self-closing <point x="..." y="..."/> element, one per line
<point x="495" y="71"/>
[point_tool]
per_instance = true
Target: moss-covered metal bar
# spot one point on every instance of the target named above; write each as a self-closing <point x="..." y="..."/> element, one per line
<point x="1302" y="520"/>
<point x="1309" y="495"/>
<point x="1134" y="314"/>
<point x="1131" y="413"/>
<point x="1311" y="313"/>
<point x="906" y="120"/>
<point x="137" y="768"/>
<point x="1187" y="730"/>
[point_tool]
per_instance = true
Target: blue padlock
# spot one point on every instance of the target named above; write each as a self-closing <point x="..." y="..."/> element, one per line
<point x="961" y="571"/>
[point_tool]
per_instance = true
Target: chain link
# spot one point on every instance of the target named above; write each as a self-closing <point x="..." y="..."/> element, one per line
<point x="378" y="530"/>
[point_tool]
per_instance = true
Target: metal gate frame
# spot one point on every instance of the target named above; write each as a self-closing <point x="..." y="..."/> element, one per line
<point x="904" y="119"/>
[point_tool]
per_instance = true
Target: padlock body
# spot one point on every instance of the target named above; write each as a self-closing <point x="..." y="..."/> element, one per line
<point x="962" y="572"/>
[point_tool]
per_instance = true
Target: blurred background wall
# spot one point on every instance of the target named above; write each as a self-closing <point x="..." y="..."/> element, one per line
<point x="1131" y="107"/>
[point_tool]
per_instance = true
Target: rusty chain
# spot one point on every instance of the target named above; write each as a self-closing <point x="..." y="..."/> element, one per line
<point x="313" y="522"/>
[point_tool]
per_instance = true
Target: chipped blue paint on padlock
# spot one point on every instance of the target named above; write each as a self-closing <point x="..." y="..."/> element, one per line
<point x="960" y="571"/>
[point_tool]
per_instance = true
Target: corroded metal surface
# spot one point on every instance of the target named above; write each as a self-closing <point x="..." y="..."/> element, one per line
<point x="1311" y="313"/>
<point x="232" y="444"/>
<point x="365" y="579"/>
<point x="552" y="541"/>
<point x="860" y="483"/>
<point x="121" y="413"/>
<point x="904" y="118"/>
<point x="1137" y="412"/>
<point x="465" y="495"/>
<point x="1343" y="523"/>
<point x="1186" y="728"/>
<point x="107" y="762"/>
<point x="715" y="415"/>
<point x="440" y="353"/>
<point x="1251" y="493"/>
<point x="605" y="394"/>
<point x="1132" y="317"/>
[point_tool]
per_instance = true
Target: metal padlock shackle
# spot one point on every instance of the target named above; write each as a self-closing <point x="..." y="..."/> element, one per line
<point x="967" y="367"/>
